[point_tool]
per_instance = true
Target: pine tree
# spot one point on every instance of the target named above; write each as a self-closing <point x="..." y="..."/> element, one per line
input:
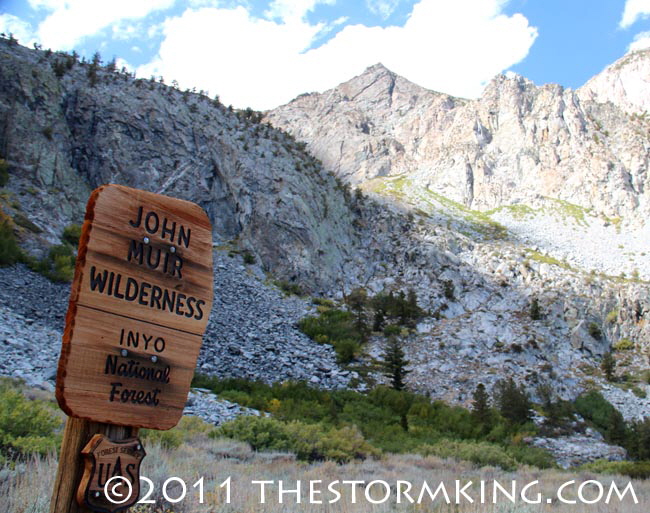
<point x="513" y="401"/>
<point x="481" y="405"/>
<point x="357" y="301"/>
<point x="535" y="310"/>
<point x="394" y="363"/>
<point x="608" y="365"/>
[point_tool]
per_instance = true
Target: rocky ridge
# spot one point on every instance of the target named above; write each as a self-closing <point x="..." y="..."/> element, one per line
<point x="517" y="144"/>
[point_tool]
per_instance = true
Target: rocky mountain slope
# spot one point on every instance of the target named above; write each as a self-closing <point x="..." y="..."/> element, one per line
<point x="542" y="192"/>
<point x="66" y="131"/>
<point x="517" y="144"/>
<point x="480" y="206"/>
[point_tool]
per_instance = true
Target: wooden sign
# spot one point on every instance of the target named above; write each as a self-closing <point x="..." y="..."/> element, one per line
<point x="111" y="478"/>
<point x="140" y="301"/>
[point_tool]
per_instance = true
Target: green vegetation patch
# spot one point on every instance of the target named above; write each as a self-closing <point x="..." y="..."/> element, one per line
<point x="624" y="344"/>
<point x="546" y="259"/>
<point x="26" y="426"/>
<point x="335" y="327"/>
<point x="403" y="189"/>
<point x="344" y="424"/>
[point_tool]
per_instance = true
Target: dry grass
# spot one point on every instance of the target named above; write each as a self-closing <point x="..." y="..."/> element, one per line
<point x="28" y="489"/>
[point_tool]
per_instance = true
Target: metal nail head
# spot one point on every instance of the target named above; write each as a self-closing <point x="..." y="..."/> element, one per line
<point x="124" y="352"/>
<point x="154" y="358"/>
<point x="172" y="249"/>
<point x="146" y="240"/>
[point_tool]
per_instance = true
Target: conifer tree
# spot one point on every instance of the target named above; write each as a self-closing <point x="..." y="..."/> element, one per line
<point x="357" y="301"/>
<point x="608" y="365"/>
<point x="512" y="401"/>
<point x="394" y="363"/>
<point x="481" y="405"/>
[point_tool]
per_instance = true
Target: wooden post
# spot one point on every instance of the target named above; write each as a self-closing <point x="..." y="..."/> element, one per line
<point x="77" y="434"/>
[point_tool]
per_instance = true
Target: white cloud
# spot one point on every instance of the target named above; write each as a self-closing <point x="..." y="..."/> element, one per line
<point x="71" y="20"/>
<point x="383" y="8"/>
<point x="633" y="11"/>
<point x="455" y="47"/>
<point x="21" y="30"/>
<point x="641" y="42"/>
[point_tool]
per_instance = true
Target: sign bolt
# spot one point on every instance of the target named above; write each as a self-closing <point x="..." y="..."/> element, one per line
<point x="138" y="447"/>
<point x="172" y="249"/>
<point x="124" y="352"/>
<point x="98" y="494"/>
<point x="146" y="240"/>
<point x="154" y="358"/>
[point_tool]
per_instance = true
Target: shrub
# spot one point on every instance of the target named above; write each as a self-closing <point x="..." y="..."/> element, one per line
<point x="612" y="316"/>
<point x="624" y="344"/>
<point x="336" y="327"/>
<point x="608" y="365"/>
<point x="248" y="257"/>
<point x="448" y="290"/>
<point x="58" y="266"/>
<point x="26" y="426"/>
<point x="188" y="428"/>
<point x="602" y="416"/>
<point x="480" y="453"/>
<point x="72" y="234"/>
<point x="534" y="310"/>
<point x="289" y="288"/>
<point x="635" y="470"/>
<point x="309" y="442"/>
<point x="389" y="420"/>
<point x="595" y="331"/>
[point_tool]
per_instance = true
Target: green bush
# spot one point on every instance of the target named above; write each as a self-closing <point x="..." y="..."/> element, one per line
<point x="248" y="257"/>
<point x="71" y="234"/>
<point x="289" y="288"/>
<point x="624" y="344"/>
<point x="187" y="429"/>
<point x="635" y="470"/>
<point x="59" y="264"/>
<point x="26" y="426"/>
<point x="480" y="453"/>
<point x="327" y="303"/>
<point x="612" y="316"/>
<point x="595" y="331"/>
<point x="534" y="310"/>
<point x="309" y="442"/>
<point x="335" y="327"/>
<point x="389" y="420"/>
<point x="602" y="416"/>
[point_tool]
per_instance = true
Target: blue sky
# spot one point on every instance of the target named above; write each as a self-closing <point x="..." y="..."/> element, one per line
<point x="262" y="53"/>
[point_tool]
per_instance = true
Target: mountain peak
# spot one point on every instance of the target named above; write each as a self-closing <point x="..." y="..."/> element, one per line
<point x="377" y="68"/>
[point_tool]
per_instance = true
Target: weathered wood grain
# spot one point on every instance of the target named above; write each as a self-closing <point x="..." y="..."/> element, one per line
<point x="133" y="328"/>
